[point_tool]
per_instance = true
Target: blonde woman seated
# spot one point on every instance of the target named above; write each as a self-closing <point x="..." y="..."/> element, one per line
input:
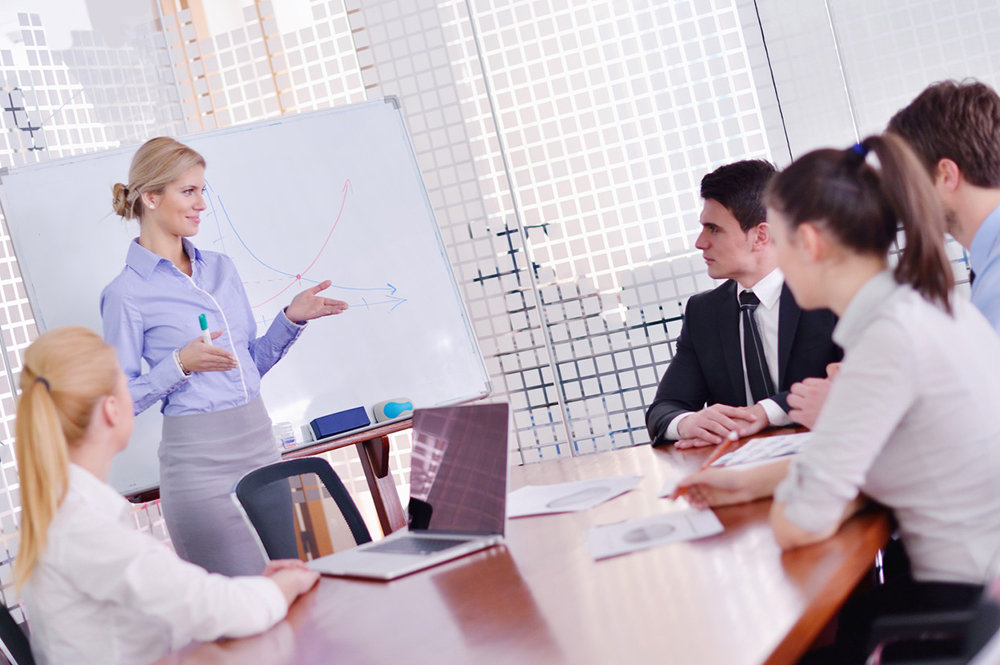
<point x="910" y="420"/>
<point x="96" y="591"/>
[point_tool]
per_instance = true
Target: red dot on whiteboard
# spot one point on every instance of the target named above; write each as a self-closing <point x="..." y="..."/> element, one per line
<point x="298" y="277"/>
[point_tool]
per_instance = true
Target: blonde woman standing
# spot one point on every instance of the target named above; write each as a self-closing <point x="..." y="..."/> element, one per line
<point x="215" y="426"/>
<point x="96" y="590"/>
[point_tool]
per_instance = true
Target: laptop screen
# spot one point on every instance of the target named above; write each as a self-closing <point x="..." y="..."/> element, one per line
<point x="458" y="469"/>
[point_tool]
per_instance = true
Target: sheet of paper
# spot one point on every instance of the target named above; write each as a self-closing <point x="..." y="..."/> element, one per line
<point x="625" y="537"/>
<point x="668" y="488"/>
<point x="766" y="448"/>
<point x="567" y="497"/>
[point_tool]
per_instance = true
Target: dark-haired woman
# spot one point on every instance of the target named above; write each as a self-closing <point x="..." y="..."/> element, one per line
<point x="910" y="419"/>
<point x="215" y="426"/>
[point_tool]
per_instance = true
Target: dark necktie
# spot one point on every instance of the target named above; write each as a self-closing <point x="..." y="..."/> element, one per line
<point x="753" y="349"/>
<point x="972" y="276"/>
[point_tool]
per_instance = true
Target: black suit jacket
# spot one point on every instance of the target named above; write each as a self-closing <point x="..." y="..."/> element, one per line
<point x="708" y="368"/>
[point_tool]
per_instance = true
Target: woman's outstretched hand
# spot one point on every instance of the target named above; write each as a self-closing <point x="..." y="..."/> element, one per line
<point x="307" y="305"/>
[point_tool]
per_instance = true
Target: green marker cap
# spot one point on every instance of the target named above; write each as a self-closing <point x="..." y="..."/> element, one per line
<point x="203" y="321"/>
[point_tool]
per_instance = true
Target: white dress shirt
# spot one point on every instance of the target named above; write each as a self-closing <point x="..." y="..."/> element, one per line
<point x="911" y="422"/>
<point x="768" y="291"/>
<point x="104" y="594"/>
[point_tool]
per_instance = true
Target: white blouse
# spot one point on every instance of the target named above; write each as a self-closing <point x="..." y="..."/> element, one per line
<point x="911" y="421"/>
<point x="104" y="594"/>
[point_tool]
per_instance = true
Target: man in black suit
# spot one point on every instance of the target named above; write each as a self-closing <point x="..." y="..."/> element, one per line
<point x="746" y="342"/>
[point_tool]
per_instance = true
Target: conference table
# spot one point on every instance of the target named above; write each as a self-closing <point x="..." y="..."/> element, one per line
<point x="729" y="599"/>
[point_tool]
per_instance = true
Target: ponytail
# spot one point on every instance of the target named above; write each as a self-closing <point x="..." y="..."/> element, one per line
<point x="66" y="371"/>
<point x="43" y="468"/>
<point x="864" y="208"/>
<point x="923" y="261"/>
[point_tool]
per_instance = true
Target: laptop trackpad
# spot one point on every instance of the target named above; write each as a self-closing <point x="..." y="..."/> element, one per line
<point x="416" y="545"/>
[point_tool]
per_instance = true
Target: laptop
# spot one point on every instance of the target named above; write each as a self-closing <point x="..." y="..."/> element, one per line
<point x="458" y="495"/>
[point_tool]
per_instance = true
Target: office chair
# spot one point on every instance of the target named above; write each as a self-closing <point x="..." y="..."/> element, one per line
<point x="290" y="485"/>
<point x="972" y="629"/>
<point x="13" y="641"/>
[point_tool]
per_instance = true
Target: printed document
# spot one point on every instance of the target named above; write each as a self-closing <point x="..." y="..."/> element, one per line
<point x="567" y="497"/>
<point x="765" y="448"/>
<point x="625" y="537"/>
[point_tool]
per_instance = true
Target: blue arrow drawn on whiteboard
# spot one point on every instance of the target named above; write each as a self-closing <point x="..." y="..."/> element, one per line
<point x="388" y="287"/>
<point x="393" y="300"/>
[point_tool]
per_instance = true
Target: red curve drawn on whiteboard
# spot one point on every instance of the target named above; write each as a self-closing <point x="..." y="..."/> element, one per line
<point x="298" y="277"/>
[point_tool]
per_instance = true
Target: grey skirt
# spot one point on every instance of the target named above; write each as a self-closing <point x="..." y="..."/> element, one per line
<point x="201" y="458"/>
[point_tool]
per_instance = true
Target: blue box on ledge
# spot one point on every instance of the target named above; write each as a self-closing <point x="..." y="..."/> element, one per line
<point x="342" y="421"/>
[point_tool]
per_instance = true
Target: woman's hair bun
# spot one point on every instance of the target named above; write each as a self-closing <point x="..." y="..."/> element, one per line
<point x="120" y="202"/>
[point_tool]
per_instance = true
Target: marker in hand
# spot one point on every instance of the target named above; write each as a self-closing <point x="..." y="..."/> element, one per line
<point x="205" y="335"/>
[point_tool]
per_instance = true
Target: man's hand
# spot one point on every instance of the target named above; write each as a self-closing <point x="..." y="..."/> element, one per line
<point x="807" y="397"/>
<point x="711" y="425"/>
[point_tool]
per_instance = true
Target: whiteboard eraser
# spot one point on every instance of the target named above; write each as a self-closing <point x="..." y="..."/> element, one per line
<point x="392" y="408"/>
<point x="342" y="421"/>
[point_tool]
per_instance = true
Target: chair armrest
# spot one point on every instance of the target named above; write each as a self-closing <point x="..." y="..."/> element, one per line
<point x="937" y="661"/>
<point x="918" y="626"/>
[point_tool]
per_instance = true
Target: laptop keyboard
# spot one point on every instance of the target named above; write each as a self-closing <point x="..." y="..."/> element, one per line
<point x="416" y="545"/>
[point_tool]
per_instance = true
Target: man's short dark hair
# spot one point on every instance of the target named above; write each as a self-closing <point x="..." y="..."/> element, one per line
<point x="740" y="188"/>
<point x="955" y="120"/>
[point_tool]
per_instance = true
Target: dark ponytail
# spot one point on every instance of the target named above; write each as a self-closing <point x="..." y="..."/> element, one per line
<point x="923" y="262"/>
<point x="865" y="207"/>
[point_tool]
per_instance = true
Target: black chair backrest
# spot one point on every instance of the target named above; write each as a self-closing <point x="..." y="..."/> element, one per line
<point x="984" y="625"/>
<point x="274" y="536"/>
<point x="15" y="642"/>
<point x="985" y="620"/>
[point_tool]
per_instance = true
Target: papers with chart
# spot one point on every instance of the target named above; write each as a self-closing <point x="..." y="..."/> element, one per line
<point x="625" y="537"/>
<point x="567" y="497"/>
<point x="765" y="448"/>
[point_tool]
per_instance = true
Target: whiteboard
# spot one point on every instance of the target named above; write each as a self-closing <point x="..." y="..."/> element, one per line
<point x="334" y="194"/>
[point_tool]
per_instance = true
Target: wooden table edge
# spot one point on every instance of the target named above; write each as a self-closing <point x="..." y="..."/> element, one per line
<point x="876" y="534"/>
<point x="337" y="442"/>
